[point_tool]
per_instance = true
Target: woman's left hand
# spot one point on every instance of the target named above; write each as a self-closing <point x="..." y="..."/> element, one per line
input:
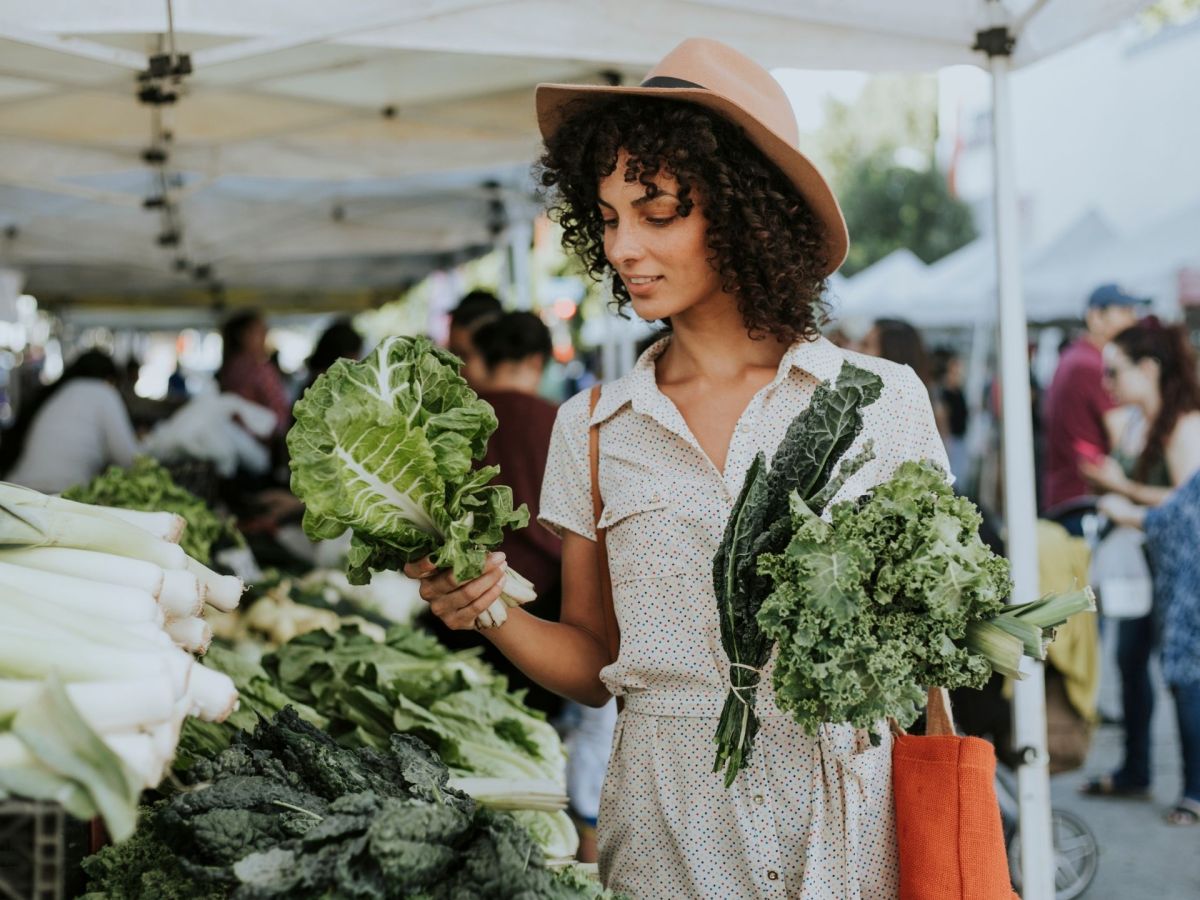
<point x="1106" y="474"/>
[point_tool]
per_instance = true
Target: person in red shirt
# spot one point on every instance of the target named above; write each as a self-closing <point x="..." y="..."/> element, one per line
<point x="246" y="367"/>
<point x="1077" y="411"/>
<point x="513" y="350"/>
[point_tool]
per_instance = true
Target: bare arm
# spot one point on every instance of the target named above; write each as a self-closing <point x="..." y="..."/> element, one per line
<point x="565" y="656"/>
<point x="1183" y="449"/>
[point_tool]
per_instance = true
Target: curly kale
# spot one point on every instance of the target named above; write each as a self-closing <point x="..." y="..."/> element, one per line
<point x="872" y="607"/>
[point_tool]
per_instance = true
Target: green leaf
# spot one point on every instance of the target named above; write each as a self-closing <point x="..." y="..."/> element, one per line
<point x="385" y="447"/>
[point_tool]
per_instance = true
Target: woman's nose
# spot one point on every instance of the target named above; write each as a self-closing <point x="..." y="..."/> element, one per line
<point x="624" y="245"/>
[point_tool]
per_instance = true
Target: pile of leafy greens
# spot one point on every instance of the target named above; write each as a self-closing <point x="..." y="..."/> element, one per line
<point x="362" y="691"/>
<point x="760" y="523"/>
<point x="147" y="486"/>
<point x="285" y="812"/>
<point x="385" y="447"/>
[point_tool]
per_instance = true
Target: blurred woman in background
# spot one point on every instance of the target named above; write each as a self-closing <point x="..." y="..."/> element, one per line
<point x="1151" y="369"/>
<point x="246" y="368"/>
<point x="72" y="430"/>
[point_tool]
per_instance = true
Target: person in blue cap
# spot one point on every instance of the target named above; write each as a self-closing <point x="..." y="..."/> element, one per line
<point x="1078" y="412"/>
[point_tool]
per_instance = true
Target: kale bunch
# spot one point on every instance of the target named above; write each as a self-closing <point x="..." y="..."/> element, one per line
<point x="286" y="812"/>
<point x="875" y="605"/>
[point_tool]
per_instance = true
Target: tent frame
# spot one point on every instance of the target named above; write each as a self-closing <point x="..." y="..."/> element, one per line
<point x="1020" y="503"/>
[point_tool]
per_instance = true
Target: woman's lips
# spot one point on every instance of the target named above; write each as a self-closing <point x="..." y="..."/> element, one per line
<point x="641" y="287"/>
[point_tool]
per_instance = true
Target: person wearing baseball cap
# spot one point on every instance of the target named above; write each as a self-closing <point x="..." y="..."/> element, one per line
<point x="690" y="196"/>
<point x="1079" y="417"/>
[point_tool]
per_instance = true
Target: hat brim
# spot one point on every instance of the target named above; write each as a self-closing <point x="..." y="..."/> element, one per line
<point x="554" y="102"/>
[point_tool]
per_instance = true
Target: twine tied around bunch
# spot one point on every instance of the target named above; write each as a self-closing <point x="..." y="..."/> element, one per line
<point x="736" y="689"/>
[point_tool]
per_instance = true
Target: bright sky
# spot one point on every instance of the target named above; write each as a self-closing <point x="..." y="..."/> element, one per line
<point x="809" y="88"/>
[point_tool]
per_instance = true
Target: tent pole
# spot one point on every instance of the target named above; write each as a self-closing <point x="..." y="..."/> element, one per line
<point x="1029" y="707"/>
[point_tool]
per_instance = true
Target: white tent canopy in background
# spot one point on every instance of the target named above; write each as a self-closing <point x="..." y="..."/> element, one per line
<point x="296" y="89"/>
<point x="959" y="290"/>
<point x="323" y="153"/>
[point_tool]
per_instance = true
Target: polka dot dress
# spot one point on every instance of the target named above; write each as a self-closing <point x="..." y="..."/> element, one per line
<point x="811" y="817"/>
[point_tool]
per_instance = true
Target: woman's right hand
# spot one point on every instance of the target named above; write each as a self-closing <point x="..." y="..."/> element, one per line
<point x="458" y="605"/>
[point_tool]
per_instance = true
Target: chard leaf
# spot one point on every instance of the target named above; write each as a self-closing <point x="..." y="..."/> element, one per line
<point x="386" y="448"/>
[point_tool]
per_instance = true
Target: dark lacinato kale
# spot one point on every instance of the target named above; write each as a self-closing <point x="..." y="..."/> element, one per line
<point x="286" y="812"/>
<point x="804" y="464"/>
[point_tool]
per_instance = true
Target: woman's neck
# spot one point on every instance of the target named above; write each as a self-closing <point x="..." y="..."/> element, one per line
<point x="714" y="346"/>
<point x="1150" y="407"/>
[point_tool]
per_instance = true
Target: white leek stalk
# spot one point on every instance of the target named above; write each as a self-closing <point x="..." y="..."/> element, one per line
<point x="90" y="565"/>
<point x="213" y="694"/>
<point x="182" y="595"/>
<point x="192" y="634"/>
<point x="114" y="602"/>
<point x="222" y="591"/>
<point x="107" y="706"/>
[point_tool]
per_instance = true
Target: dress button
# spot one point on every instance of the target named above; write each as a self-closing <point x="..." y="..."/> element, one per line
<point x="772" y="875"/>
<point x="760" y="799"/>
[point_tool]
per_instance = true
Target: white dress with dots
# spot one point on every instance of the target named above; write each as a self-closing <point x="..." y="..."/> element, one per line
<point x="810" y="817"/>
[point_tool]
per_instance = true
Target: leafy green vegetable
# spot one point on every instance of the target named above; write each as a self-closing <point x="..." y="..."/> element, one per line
<point x="147" y="486"/>
<point x="258" y="697"/>
<point x="803" y="466"/>
<point x="873" y="606"/>
<point x="385" y="447"/>
<point x="286" y="812"/>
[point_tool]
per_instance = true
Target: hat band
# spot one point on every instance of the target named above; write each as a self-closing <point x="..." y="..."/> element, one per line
<point x="666" y="81"/>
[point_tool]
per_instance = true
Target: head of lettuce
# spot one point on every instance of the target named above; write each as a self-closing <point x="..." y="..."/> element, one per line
<point x="386" y="448"/>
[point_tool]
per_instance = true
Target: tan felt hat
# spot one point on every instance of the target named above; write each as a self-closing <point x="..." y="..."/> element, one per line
<point x="713" y="75"/>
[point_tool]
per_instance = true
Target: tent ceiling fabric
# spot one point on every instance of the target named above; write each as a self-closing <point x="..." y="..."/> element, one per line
<point x="283" y="121"/>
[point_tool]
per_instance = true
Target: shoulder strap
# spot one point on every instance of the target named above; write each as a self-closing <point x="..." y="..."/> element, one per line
<point x="606" y="597"/>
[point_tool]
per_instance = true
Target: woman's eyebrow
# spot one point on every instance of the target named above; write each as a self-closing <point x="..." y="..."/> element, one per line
<point x="648" y="198"/>
<point x="641" y="201"/>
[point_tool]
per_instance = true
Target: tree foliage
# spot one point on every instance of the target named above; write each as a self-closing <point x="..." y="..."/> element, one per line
<point x="889" y="206"/>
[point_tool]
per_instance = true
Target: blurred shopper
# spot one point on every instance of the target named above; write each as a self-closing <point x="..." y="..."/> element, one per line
<point x="72" y="430"/>
<point x="948" y="393"/>
<point x="900" y="342"/>
<point x="474" y="310"/>
<point x="339" y="341"/>
<point x="246" y="368"/>
<point x="1152" y="368"/>
<point x="513" y="350"/>
<point x="1078" y="414"/>
<point x="1171" y="531"/>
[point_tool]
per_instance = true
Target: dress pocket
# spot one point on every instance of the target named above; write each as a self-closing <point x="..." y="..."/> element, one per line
<point x="643" y="537"/>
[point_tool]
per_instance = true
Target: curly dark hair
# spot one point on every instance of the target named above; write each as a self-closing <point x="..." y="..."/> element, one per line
<point x="765" y="241"/>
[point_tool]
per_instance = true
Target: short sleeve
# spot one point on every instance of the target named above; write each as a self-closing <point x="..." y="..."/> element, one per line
<point x="566" y="502"/>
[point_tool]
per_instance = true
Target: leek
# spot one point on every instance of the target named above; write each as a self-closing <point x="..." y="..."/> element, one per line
<point x="102" y="601"/>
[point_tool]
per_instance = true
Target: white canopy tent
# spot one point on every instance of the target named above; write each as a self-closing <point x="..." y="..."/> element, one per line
<point x="295" y="91"/>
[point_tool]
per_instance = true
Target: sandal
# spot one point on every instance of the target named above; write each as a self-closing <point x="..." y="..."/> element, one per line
<point x="1184" y="813"/>
<point x="1106" y="786"/>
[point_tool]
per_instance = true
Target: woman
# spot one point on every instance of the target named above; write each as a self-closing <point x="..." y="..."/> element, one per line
<point x="72" y="431"/>
<point x="1151" y="369"/>
<point x="246" y="368"/>
<point x="697" y="203"/>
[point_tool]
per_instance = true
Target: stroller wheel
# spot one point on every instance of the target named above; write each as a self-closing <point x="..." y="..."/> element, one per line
<point x="1076" y="855"/>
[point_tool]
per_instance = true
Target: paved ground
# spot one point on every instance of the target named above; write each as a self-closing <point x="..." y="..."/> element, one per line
<point x="1140" y="856"/>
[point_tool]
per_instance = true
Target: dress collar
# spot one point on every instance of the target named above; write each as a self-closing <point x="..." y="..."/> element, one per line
<point x="819" y="358"/>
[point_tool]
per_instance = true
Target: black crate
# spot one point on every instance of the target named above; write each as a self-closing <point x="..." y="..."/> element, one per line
<point x="40" y="851"/>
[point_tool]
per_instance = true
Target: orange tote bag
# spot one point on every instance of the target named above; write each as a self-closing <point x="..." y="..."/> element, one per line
<point x="948" y="824"/>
